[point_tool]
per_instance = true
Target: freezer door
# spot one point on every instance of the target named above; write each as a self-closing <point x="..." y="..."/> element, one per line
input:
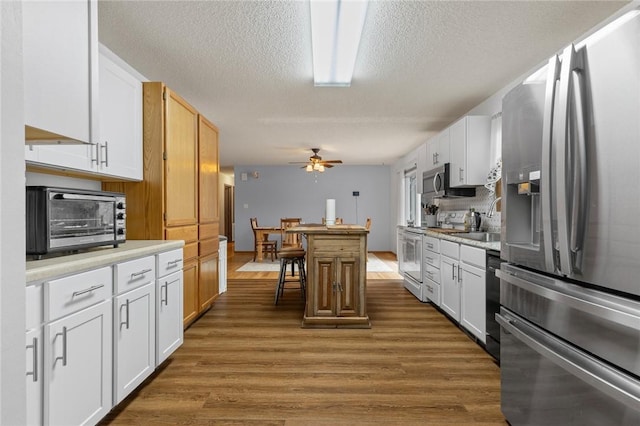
<point x="605" y="325"/>
<point x="544" y="381"/>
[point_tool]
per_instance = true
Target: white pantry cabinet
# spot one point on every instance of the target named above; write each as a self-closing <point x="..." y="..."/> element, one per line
<point x="78" y="345"/>
<point x="470" y="139"/>
<point x="60" y="51"/>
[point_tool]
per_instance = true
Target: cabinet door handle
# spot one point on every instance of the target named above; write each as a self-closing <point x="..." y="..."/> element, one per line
<point x="34" y="373"/>
<point x="164" y="300"/>
<point x="126" y="308"/>
<point x="97" y="147"/>
<point x="137" y="274"/>
<point x="459" y="273"/>
<point x="64" y="346"/>
<point x="87" y="290"/>
<point x="461" y="173"/>
<point x="106" y="154"/>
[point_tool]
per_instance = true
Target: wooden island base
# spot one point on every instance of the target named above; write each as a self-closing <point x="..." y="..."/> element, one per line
<point x="336" y="276"/>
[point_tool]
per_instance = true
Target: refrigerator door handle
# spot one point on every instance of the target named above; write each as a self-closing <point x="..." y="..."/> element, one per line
<point x="579" y="300"/>
<point x="545" y="181"/>
<point x="560" y="141"/>
<point x="579" y="205"/>
<point x="607" y="380"/>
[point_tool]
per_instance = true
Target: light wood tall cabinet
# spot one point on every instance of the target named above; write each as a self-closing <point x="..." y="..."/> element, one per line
<point x="178" y="196"/>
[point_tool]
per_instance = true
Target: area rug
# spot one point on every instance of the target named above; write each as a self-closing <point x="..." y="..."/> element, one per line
<point x="373" y="265"/>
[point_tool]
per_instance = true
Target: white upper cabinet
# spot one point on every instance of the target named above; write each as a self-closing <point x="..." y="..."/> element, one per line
<point x="438" y="150"/>
<point x="120" y="134"/>
<point x="60" y="48"/>
<point x="469" y="150"/>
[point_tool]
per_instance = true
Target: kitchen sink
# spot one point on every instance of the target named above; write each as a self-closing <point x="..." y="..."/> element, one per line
<point x="487" y="237"/>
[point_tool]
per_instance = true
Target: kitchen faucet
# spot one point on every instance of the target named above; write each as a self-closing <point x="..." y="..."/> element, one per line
<point x="492" y="207"/>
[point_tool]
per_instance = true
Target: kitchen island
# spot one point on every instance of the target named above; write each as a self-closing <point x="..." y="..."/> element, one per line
<point x="336" y="276"/>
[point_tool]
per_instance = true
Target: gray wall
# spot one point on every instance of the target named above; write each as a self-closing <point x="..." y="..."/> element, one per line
<point x="288" y="191"/>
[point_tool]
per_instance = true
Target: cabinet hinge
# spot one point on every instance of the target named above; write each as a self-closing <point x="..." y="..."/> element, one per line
<point x="164" y="155"/>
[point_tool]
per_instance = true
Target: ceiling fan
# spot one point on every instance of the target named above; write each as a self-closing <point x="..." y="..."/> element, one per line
<point x="316" y="163"/>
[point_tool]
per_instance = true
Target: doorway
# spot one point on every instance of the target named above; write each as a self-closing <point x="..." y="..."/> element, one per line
<point x="229" y="219"/>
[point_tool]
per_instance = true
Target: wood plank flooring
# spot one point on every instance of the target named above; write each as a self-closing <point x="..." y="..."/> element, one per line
<point x="247" y="361"/>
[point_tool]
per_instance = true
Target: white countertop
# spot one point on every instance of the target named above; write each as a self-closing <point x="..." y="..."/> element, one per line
<point x="55" y="266"/>
<point x="495" y="245"/>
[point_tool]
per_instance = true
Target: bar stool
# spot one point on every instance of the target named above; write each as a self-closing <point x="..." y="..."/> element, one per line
<point x="291" y="257"/>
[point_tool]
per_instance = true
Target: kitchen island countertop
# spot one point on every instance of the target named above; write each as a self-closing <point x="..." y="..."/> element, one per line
<point x="55" y="266"/>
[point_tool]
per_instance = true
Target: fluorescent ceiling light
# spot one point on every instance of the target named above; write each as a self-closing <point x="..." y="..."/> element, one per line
<point x="336" y="28"/>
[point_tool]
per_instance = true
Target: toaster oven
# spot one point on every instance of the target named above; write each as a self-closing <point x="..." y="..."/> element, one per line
<point x="67" y="220"/>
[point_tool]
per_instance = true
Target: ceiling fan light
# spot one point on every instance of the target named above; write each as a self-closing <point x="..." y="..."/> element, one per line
<point x="316" y="166"/>
<point x="309" y="168"/>
<point x="321" y="168"/>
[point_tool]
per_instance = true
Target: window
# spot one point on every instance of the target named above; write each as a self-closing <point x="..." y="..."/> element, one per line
<point x="410" y="191"/>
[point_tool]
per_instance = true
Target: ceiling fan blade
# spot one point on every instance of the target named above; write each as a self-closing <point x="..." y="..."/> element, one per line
<point x="332" y="161"/>
<point x="327" y="166"/>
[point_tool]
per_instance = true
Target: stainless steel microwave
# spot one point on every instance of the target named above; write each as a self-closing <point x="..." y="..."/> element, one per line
<point x="436" y="184"/>
<point x="64" y="219"/>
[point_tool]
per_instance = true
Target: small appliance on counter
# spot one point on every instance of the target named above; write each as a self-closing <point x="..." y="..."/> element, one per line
<point x="66" y="220"/>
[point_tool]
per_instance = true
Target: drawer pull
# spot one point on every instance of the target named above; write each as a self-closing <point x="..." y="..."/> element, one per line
<point x="87" y="290"/>
<point x="34" y="373"/>
<point x="137" y="274"/>
<point x="173" y="263"/>
<point x="64" y="347"/>
<point x="430" y="245"/>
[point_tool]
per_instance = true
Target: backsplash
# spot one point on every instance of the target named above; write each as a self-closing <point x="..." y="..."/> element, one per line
<point x="481" y="203"/>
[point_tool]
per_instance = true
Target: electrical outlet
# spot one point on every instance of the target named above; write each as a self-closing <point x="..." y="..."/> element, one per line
<point x="356" y="193"/>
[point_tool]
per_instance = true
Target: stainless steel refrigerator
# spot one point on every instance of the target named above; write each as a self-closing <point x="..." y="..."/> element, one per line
<point x="570" y="290"/>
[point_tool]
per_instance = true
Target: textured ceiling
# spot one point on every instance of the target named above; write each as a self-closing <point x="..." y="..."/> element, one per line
<point x="246" y="65"/>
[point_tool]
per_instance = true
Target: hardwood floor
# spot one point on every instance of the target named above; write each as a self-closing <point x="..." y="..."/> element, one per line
<point x="247" y="361"/>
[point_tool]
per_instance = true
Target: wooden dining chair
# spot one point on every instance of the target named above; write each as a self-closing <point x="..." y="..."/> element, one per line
<point x="268" y="246"/>
<point x="289" y="240"/>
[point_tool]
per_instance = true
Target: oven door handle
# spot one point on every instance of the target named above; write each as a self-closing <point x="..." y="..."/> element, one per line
<point x="607" y="380"/>
<point x="66" y="196"/>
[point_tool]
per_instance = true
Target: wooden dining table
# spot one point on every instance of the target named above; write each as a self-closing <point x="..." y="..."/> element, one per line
<point x="262" y="234"/>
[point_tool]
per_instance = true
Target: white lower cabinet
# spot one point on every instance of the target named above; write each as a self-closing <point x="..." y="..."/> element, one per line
<point x="169" y="335"/>
<point x="450" y="278"/>
<point x="431" y="269"/>
<point x="90" y="341"/>
<point x="473" y="291"/>
<point x="134" y="339"/>
<point x="34" y="376"/>
<point x="463" y="287"/>
<point x="78" y="367"/>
